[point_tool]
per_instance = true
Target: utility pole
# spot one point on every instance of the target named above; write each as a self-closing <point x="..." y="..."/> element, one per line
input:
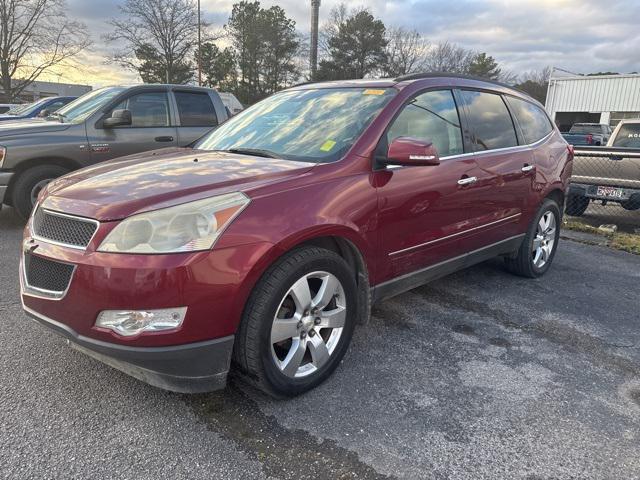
<point x="199" y="49"/>
<point x="313" y="56"/>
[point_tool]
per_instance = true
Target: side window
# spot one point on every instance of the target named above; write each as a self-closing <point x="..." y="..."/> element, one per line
<point x="490" y="120"/>
<point x="55" y="106"/>
<point x="196" y="109"/>
<point x="533" y="122"/>
<point x="147" y="109"/>
<point x="433" y="117"/>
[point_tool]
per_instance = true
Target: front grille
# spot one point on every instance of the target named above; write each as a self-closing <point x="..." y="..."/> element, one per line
<point x="45" y="274"/>
<point x="63" y="229"/>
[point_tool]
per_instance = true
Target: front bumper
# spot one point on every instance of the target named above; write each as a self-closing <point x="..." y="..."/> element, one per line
<point x="192" y="368"/>
<point x="5" y="178"/>
<point x="195" y="357"/>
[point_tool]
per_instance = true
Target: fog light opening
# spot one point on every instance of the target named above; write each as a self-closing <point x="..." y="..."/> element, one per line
<point x="128" y="323"/>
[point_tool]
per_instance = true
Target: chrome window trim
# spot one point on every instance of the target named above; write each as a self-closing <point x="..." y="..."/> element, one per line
<point x="43" y="293"/>
<point x="453" y="235"/>
<point x="64" y="215"/>
<point x="516" y="148"/>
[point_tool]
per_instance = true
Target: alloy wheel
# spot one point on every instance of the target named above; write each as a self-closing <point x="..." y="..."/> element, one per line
<point x="308" y="324"/>
<point x="544" y="240"/>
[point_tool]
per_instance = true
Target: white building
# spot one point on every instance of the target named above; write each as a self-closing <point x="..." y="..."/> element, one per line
<point x="38" y="89"/>
<point x="594" y="99"/>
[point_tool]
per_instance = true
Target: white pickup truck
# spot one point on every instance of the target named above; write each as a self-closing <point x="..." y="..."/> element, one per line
<point x="607" y="174"/>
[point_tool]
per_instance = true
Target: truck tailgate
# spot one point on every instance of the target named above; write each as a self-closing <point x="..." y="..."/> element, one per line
<point x="607" y="166"/>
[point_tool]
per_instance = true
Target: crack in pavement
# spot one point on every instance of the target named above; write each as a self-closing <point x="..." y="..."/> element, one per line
<point x="283" y="453"/>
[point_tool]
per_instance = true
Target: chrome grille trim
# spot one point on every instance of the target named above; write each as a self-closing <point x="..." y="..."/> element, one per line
<point x="36" y="219"/>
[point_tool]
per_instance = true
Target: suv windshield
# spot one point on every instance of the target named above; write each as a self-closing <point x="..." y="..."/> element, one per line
<point x="628" y="136"/>
<point x="81" y="108"/>
<point x="318" y="125"/>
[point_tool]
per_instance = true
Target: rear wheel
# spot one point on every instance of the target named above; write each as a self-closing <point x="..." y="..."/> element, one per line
<point x="29" y="184"/>
<point x="539" y="245"/>
<point x="576" y="205"/>
<point x="633" y="203"/>
<point x="298" y="322"/>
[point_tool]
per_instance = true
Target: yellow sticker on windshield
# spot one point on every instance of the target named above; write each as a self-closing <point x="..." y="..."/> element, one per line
<point x="373" y="91"/>
<point x="328" y="145"/>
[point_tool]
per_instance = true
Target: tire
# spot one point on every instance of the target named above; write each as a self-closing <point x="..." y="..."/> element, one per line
<point x="534" y="262"/>
<point x="633" y="203"/>
<point x="274" y="326"/>
<point x="30" y="182"/>
<point x="576" y="205"/>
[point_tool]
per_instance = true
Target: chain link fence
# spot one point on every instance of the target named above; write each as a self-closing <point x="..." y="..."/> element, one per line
<point x="605" y="188"/>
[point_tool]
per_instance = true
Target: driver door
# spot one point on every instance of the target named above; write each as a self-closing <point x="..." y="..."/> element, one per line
<point x="151" y="128"/>
<point x="423" y="209"/>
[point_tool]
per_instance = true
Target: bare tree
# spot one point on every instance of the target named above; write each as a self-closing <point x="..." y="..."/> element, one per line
<point x="535" y="83"/>
<point x="164" y="29"/>
<point x="449" y="57"/>
<point x="406" y="51"/>
<point x="537" y="76"/>
<point x="35" y="35"/>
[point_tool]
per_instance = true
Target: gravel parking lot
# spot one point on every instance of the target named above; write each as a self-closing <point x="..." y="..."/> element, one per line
<point x="478" y="375"/>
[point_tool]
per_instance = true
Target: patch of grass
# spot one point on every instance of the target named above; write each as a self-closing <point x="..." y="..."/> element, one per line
<point x="626" y="242"/>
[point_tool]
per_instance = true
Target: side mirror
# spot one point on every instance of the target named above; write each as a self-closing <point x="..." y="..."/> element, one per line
<point x="118" y="118"/>
<point x="412" y="152"/>
<point x="44" y="113"/>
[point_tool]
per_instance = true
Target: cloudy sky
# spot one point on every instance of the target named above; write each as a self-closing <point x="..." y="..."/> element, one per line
<point x="578" y="35"/>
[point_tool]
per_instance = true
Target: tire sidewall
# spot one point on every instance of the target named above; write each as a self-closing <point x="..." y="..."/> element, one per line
<point x="292" y="386"/>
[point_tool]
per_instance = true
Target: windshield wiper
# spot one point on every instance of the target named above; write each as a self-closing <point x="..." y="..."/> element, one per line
<point x="258" y="152"/>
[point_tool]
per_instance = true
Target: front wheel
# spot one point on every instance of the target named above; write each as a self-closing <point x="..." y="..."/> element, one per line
<point x="539" y="245"/>
<point x="28" y="185"/>
<point x="298" y="322"/>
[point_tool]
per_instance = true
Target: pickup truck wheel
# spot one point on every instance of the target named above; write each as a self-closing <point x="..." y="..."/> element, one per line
<point x="633" y="203"/>
<point x="539" y="245"/>
<point x="29" y="184"/>
<point x="298" y="322"/>
<point x="576" y="205"/>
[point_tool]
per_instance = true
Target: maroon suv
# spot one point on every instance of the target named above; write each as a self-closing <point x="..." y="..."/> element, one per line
<point x="265" y="244"/>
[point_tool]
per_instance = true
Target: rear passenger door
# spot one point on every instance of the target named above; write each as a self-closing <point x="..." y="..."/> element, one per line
<point x="151" y="127"/>
<point x="504" y="170"/>
<point x="196" y="115"/>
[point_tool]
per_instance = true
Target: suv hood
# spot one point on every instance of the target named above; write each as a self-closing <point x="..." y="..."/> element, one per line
<point x="36" y="126"/>
<point x="119" y="188"/>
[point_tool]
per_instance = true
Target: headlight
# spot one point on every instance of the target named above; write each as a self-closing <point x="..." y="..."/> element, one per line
<point x="3" y="153"/>
<point x="189" y="227"/>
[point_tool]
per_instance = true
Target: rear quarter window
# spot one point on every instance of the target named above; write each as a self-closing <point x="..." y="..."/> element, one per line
<point x="196" y="109"/>
<point x="534" y="123"/>
<point x="489" y="120"/>
<point x="628" y="136"/>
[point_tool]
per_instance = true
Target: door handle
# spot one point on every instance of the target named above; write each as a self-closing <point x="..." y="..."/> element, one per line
<point x="467" y="180"/>
<point x="164" y="139"/>
<point x="527" y="168"/>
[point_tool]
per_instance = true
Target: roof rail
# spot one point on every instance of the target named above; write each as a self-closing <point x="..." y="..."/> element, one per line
<point x="418" y="76"/>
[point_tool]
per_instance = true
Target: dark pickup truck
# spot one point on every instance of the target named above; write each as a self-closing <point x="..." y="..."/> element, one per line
<point x="103" y="124"/>
<point x="589" y="134"/>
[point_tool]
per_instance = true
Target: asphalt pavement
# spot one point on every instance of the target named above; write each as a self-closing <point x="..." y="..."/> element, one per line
<point x="480" y="375"/>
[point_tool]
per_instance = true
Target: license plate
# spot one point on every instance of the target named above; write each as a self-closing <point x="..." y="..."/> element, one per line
<point x="611" y="192"/>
